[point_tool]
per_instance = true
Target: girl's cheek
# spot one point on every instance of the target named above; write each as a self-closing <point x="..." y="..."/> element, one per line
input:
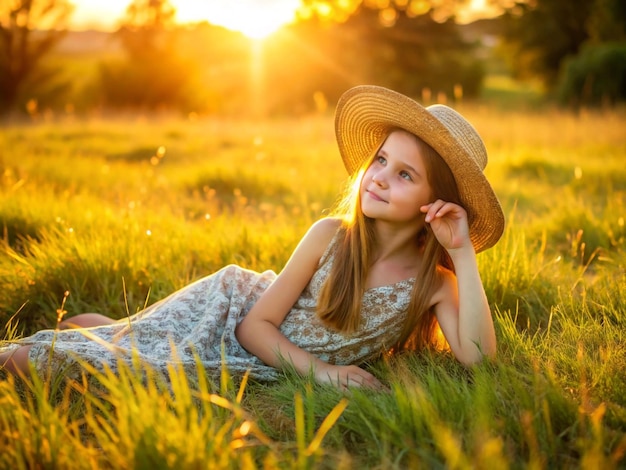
<point x="373" y="165"/>
<point x="366" y="174"/>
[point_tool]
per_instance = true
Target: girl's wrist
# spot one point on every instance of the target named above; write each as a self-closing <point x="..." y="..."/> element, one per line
<point x="462" y="252"/>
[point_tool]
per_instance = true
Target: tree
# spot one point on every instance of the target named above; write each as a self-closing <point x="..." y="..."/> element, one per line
<point x="29" y="29"/>
<point x="596" y="76"/>
<point x="541" y="33"/>
<point x="145" y="27"/>
<point x="607" y="22"/>
<point x="341" y="10"/>
<point x="316" y="59"/>
<point x="154" y="74"/>
<point x="576" y="47"/>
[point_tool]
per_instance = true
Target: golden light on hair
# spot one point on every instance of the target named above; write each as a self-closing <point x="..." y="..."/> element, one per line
<point x="349" y="202"/>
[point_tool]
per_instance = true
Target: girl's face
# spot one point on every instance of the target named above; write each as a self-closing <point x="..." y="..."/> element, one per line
<point x="395" y="185"/>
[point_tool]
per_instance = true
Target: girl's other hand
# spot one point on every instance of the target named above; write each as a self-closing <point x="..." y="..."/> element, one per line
<point x="448" y="222"/>
<point x="344" y="377"/>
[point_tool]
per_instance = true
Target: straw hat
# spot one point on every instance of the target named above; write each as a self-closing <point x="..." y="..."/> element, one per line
<point x="365" y="115"/>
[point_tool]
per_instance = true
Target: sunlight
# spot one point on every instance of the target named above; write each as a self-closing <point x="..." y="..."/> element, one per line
<point x="254" y="18"/>
<point x="477" y="9"/>
<point x="98" y="14"/>
<point x="257" y="94"/>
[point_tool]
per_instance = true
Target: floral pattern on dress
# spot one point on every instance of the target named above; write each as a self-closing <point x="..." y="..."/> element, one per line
<point x="197" y="323"/>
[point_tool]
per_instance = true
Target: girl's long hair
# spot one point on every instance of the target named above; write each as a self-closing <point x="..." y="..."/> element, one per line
<point x="339" y="303"/>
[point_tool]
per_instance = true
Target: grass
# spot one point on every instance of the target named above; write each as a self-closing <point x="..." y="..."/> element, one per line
<point x="119" y="212"/>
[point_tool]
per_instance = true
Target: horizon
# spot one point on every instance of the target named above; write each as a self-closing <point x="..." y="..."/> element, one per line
<point x="262" y="18"/>
<point x="266" y="16"/>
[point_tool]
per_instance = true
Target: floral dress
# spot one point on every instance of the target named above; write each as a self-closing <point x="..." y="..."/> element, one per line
<point x="197" y="323"/>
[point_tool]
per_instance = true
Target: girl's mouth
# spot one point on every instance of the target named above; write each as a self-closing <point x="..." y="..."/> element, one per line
<point x="375" y="196"/>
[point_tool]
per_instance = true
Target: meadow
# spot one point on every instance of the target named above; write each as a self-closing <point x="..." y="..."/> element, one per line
<point x="110" y="214"/>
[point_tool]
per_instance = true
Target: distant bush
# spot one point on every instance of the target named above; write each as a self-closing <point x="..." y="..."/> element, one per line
<point x="595" y="76"/>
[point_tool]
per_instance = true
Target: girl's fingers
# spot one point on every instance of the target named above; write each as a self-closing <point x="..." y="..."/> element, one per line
<point x="359" y="378"/>
<point x="438" y="209"/>
<point x="345" y="377"/>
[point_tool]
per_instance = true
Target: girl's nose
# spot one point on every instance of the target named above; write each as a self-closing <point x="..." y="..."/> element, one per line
<point x="378" y="179"/>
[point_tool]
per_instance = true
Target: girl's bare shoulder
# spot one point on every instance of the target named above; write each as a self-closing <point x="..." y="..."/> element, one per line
<point x="314" y="243"/>
<point x="321" y="234"/>
<point x="327" y="226"/>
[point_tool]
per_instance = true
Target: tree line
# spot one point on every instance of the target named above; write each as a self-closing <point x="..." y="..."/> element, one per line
<point x="577" y="48"/>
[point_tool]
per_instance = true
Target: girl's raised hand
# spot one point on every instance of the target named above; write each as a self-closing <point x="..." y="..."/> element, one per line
<point x="448" y="222"/>
<point x="344" y="377"/>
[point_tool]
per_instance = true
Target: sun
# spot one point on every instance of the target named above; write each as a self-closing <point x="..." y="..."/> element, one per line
<point x="256" y="19"/>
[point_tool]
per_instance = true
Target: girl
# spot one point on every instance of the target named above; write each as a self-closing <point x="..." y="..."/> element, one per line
<point x="395" y="263"/>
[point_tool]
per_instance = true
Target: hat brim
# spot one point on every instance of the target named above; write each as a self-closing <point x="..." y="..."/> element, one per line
<point x="366" y="114"/>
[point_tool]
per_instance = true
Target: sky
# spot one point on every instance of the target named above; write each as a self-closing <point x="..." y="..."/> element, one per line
<point x="255" y="18"/>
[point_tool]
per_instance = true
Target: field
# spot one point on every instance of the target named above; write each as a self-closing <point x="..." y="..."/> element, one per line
<point x="108" y="215"/>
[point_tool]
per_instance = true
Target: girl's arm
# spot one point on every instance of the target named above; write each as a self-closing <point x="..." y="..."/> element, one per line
<point x="461" y="305"/>
<point x="463" y="311"/>
<point x="259" y="331"/>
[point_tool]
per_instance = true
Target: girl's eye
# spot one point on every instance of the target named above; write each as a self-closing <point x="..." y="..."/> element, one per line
<point x="381" y="160"/>
<point x="406" y="175"/>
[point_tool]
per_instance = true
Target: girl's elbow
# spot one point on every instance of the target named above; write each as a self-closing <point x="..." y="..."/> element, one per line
<point x="247" y="332"/>
<point x="489" y="350"/>
<point x="476" y="355"/>
<point x="241" y="332"/>
<point x="469" y="361"/>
